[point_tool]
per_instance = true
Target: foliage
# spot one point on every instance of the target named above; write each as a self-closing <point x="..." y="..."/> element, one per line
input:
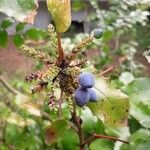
<point x="23" y="11"/>
<point x="49" y="117"/>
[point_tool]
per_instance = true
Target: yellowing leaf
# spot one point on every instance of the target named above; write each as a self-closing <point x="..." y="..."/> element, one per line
<point x="55" y="131"/>
<point x="112" y="106"/>
<point x="61" y="13"/>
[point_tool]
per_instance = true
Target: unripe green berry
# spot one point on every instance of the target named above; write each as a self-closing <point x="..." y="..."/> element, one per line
<point x="97" y="33"/>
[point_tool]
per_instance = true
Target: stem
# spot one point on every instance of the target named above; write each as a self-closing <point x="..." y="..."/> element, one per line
<point x="97" y="136"/>
<point x="60" y="49"/>
<point x="108" y="70"/>
<point x="78" y="123"/>
<point x="59" y="107"/>
<point x="46" y="116"/>
<point x="8" y="86"/>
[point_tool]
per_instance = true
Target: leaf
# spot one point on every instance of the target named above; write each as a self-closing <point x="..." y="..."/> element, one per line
<point x="126" y="77"/>
<point x="121" y="133"/>
<point x="91" y="124"/>
<point x="107" y="35"/>
<point x="6" y="23"/>
<point x="139" y="92"/>
<point x="3" y="38"/>
<point x="112" y="106"/>
<point x="101" y="145"/>
<point x="4" y="110"/>
<point x="140" y="140"/>
<point x="36" y="34"/>
<point x="18" y="40"/>
<point x="61" y="13"/>
<point x="20" y="10"/>
<point x="22" y="138"/>
<point x="20" y="27"/>
<point x="55" y="131"/>
<point x="70" y="140"/>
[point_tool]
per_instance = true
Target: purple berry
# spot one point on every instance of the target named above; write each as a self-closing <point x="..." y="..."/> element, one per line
<point x="93" y="95"/>
<point x="86" y="80"/>
<point x="82" y="96"/>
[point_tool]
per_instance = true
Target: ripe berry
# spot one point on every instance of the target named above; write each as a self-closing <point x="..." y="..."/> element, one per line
<point x="93" y="95"/>
<point x="97" y="33"/>
<point x="86" y="80"/>
<point x="81" y="96"/>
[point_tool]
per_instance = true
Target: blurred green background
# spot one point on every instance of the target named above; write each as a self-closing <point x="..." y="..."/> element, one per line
<point x="126" y="43"/>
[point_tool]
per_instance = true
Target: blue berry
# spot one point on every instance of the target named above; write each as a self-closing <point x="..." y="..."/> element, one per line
<point x="98" y="33"/>
<point x="86" y="80"/>
<point x="93" y="95"/>
<point x="81" y="96"/>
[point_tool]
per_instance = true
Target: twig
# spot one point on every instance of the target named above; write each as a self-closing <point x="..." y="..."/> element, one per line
<point x="8" y="86"/>
<point x="108" y="70"/>
<point x="97" y="136"/>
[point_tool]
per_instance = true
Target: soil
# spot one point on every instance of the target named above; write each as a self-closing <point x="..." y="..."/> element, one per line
<point x="13" y="64"/>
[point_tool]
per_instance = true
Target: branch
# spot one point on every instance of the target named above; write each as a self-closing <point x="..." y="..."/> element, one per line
<point x="110" y="69"/>
<point x="78" y="123"/>
<point x="8" y="86"/>
<point x="97" y="136"/>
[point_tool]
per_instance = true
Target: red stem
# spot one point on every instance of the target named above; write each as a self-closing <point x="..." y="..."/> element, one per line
<point x="108" y="70"/>
<point x="97" y="136"/>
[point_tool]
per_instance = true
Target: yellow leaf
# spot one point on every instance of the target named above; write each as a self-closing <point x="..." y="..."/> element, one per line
<point x="61" y="13"/>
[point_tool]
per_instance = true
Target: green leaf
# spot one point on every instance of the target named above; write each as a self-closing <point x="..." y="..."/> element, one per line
<point x="139" y="92"/>
<point x="101" y="145"/>
<point x="112" y="106"/>
<point x="18" y="40"/>
<point x="4" y="147"/>
<point x="107" y="35"/>
<point x="55" y="131"/>
<point x="126" y="77"/>
<point x="4" y="110"/>
<point x="3" y="38"/>
<point x="21" y="138"/>
<point x="21" y="10"/>
<point x="78" y="5"/>
<point x="140" y="140"/>
<point x="91" y="124"/>
<point x="14" y="135"/>
<point x="20" y="27"/>
<point x="6" y="23"/>
<point x="138" y="85"/>
<point x="36" y="34"/>
<point x="70" y="140"/>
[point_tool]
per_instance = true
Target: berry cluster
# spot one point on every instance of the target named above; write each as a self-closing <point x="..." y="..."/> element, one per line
<point x="85" y="92"/>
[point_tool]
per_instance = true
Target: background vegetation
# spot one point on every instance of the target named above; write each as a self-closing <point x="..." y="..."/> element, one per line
<point x="24" y="117"/>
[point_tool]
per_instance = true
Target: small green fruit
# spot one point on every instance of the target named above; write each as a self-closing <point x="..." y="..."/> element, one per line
<point x="98" y="33"/>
